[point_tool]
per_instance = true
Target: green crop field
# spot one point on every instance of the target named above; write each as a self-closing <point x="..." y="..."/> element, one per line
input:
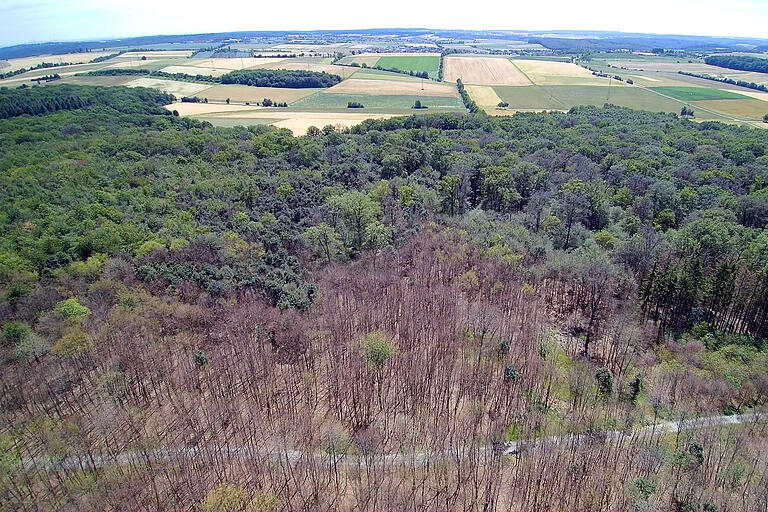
<point x="632" y="97"/>
<point x="384" y="103"/>
<point x="528" y="98"/>
<point x="567" y="96"/>
<point x="376" y="74"/>
<point x="698" y="93"/>
<point x="726" y="107"/>
<point x="415" y="63"/>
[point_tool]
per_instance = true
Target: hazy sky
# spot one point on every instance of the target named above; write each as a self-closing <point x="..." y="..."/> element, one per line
<point x="48" y="20"/>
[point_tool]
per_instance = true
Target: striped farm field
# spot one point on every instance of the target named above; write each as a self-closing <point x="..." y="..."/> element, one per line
<point x="243" y="93"/>
<point x="758" y="95"/>
<point x="698" y="93"/>
<point x="484" y="95"/>
<point x="72" y="58"/>
<point x="416" y="63"/>
<point x="528" y="98"/>
<point x="369" y="59"/>
<point x="297" y="122"/>
<point x="481" y="70"/>
<point x="546" y="72"/>
<point x="376" y="74"/>
<point x="233" y="64"/>
<point x="382" y="102"/>
<point x="393" y="87"/>
<point x="748" y="109"/>
<point x="192" y="70"/>
<point x="175" y="87"/>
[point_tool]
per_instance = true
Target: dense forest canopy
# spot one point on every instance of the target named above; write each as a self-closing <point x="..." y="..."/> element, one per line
<point x="477" y="279"/>
<point x="679" y="207"/>
<point x="280" y="78"/>
<point x="41" y="100"/>
<point x="740" y="62"/>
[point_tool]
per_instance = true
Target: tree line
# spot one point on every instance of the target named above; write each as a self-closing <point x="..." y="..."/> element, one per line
<point x="286" y="78"/>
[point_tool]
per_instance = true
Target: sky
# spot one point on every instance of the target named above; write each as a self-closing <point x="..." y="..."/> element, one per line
<point x="25" y="21"/>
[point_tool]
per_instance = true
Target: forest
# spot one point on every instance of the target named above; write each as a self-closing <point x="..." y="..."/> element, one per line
<point x="740" y="62"/>
<point x="280" y="78"/>
<point x="235" y="318"/>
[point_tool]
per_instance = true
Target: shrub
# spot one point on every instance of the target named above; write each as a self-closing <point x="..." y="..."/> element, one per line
<point x="74" y="342"/>
<point x="71" y="308"/>
<point x="604" y="380"/>
<point x="511" y="374"/>
<point x="15" y="332"/>
<point x="377" y="350"/>
<point x="201" y="358"/>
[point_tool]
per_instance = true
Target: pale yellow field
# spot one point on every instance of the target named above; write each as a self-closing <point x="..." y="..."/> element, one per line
<point x="300" y="125"/>
<point x="483" y="71"/>
<point x="63" y="72"/>
<point x="753" y="94"/>
<point x="671" y="67"/>
<point x="122" y="64"/>
<point x="393" y="87"/>
<point x="542" y="72"/>
<point x="191" y="70"/>
<point x="170" y="86"/>
<point x="196" y="109"/>
<point x="242" y="93"/>
<point x="159" y="53"/>
<point x="232" y="64"/>
<point x="298" y="122"/>
<point x="642" y="77"/>
<point x="72" y="58"/>
<point x="369" y="59"/>
<point x="484" y="95"/>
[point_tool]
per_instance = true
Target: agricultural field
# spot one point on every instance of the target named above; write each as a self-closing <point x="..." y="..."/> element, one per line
<point x="28" y="62"/>
<point x="525" y="82"/>
<point x="296" y="121"/>
<point x="174" y="87"/>
<point x="369" y="59"/>
<point x="483" y="70"/>
<point x="299" y="122"/>
<point x="557" y="85"/>
<point x="698" y="93"/>
<point x="394" y="87"/>
<point x="416" y="63"/>
<point x="379" y="102"/>
<point x="377" y="74"/>
<point x="525" y="99"/>
<point x="746" y="109"/>
<point x="246" y="93"/>
<point x="498" y="44"/>
<point x="546" y="72"/>
<point x="484" y="95"/>
<point x="406" y="62"/>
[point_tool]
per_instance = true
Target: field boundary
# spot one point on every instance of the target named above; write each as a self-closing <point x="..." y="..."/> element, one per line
<point x="534" y="84"/>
